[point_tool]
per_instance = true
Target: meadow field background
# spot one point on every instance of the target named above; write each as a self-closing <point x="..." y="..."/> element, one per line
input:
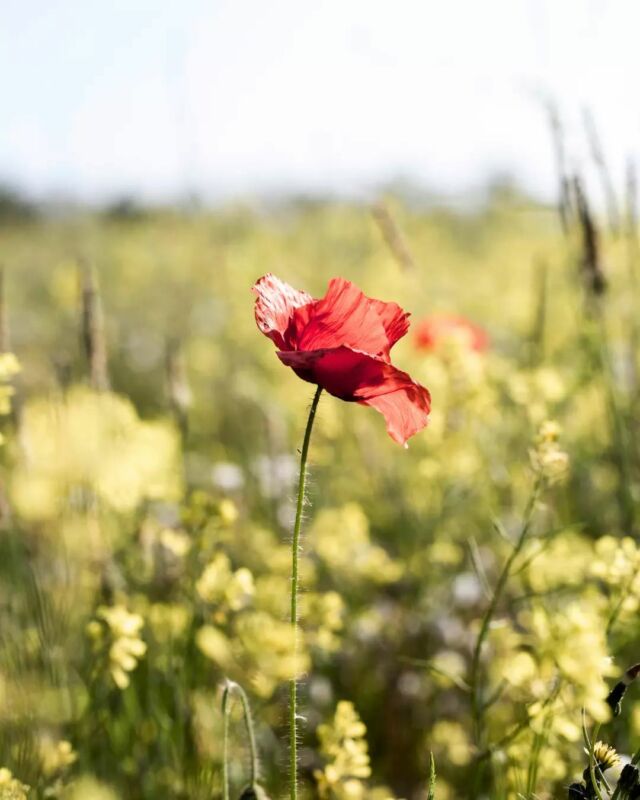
<point x="149" y="464"/>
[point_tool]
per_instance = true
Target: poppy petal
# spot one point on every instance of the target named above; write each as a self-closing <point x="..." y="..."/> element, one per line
<point x="394" y="319"/>
<point x="342" y="371"/>
<point x="352" y="375"/>
<point x="344" y="316"/>
<point x="406" y="410"/>
<point x="276" y="303"/>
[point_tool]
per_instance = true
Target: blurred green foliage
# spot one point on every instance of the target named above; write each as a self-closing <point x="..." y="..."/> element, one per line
<point x="145" y="528"/>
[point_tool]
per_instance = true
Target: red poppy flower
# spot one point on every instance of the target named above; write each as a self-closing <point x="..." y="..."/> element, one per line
<point x="434" y="330"/>
<point x="342" y="343"/>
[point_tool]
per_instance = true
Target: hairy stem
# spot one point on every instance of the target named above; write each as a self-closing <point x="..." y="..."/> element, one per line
<point x="295" y="548"/>
<point x="229" y="690"/>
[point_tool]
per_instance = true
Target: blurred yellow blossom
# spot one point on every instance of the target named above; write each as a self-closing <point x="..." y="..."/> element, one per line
<point x="228" y="511"/>
<point x="56" y="755"/>
<point x="218" y="583"/>
<point x="11" y="788"/>
<point x="451" y="740"/>
<point x="341" y="538"/>
<point x="573" y="645"/>
<point x="176" y="542"/>
<point x="125" y="646"/>
<point x="323" y="616"/>
<point x="267" y="645"/>
<point x="215" y="645"/>
<point x="343" y="745"/>
<point x="548" y="458"/>
<point x="564" y="560"/>
<point x="168" y="621"/>
<point x="88" y="788"/>
<point x="97" y="441"/>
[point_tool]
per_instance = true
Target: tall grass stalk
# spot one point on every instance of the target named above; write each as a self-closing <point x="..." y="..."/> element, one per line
<point x="598" y="156"/>
<point x="93" y="329"/>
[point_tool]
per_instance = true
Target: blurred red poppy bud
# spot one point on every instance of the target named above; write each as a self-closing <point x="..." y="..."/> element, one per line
<point x="434" y="330"/>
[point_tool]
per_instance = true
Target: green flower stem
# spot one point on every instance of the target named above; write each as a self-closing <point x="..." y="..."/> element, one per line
<point x="592" y="763"/>
<point x="477" y="708"/>
<point x="229" y="690"/>
<point x="295" y="548"/>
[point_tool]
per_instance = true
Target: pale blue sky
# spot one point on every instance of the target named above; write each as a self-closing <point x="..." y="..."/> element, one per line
<point x="235" y="97"/>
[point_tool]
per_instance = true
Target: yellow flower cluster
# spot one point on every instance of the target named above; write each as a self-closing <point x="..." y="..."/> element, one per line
<point x="341" y="539"/>
<point x="245" y="631"/>
<point x="450" y="740"/>
<point x="549" y="460"/>
<point x="553" y="663"/>
<point x="88" y="788"/>
<point x="168" y="621"/>
<point x="571" y="646"/>
<point x="11" y="788"/>
<point x="536" y="390"/>
<point x="122" y="636"/>
<point x="616" y="563"/>
<point x="219" y="585"/>
<point x="56" y="755"/>
<point x="94" y="442"/>
<point x="262" y="650"/>
<point x="344" y="746"/>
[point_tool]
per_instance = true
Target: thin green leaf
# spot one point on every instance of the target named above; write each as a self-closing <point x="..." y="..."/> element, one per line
<point x="432" y="778"/>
